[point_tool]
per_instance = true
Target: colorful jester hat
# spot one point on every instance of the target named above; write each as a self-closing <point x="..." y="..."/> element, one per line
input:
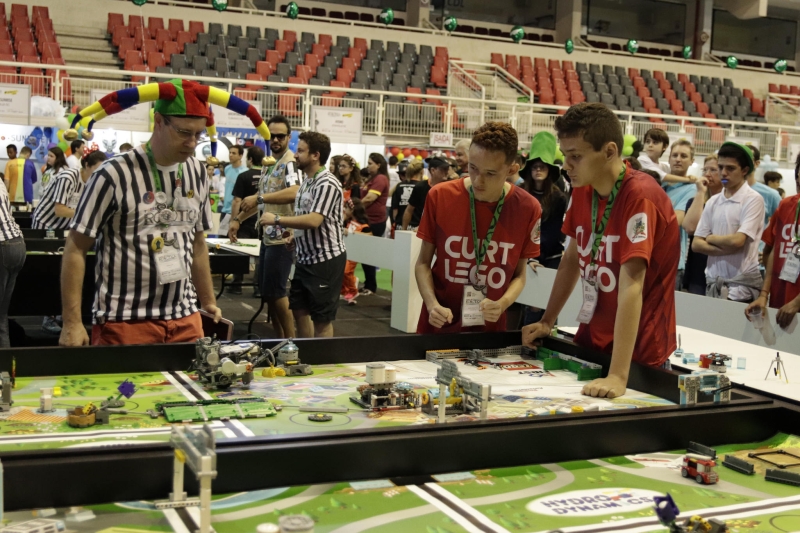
<point x="177" y="98"/>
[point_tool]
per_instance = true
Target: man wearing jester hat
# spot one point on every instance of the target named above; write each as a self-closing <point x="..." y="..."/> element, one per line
<point x="147" y="211"/>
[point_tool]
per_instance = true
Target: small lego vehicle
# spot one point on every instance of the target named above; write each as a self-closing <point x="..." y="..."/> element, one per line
<point x="700" y="467"/>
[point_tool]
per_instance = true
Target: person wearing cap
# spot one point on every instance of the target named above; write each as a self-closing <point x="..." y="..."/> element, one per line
<point x="730" y="230"/>
<point x="623" y="246"/>
<point x="782" y="256"/>
<point x="439" y="169"/>
<point x="482" y="230"/>
<point x="147" y="211"/>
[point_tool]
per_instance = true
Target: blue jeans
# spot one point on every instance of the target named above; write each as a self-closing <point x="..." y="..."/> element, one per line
<point x="12" y="257"/>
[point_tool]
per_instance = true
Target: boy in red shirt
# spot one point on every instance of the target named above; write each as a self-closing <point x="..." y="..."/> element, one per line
<point x="482" y="212"/>
<point x="623" y="246"/>
<point x="782" y="256"/>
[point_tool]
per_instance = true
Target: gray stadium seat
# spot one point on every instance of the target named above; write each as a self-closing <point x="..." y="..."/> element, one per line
<point x="272" y="35"/>
<point x="215" y="29"/>
<point x="253" y="56"/>
<point x="393" y="45"/>
<point x="425" y="50"/>
<point x="308" y="38"/>
<point x="331" y="62"/>
<point x="715" y="109"/>
<point x="163" y="70"/>
<point x="410" y="48"/>
<point x="253" y="33"/>
<point x="203" y="40"/>
<point x="727" y="82"/>
<point x="621" y="100"/>
<point x="284" y="70"/>
<point x="210" y="73"/>
<point x="262" y="45"/>
<point x="721" y="100"/>
<point x="243" y="43"/>
<point x="221" y="65"/>
<point x="190" y="50"/>
<point x="343" y="42"/>
<point x="621" y="72"/>
<point x="592" y="97"/>
<point x="716" y="81"/>
<point x="369" y="65"/>
<point x="742" y="111"/>
<point x="612" y="79"/>
<point x="616" y="89"/>
<point x="292" y="58"/>
<point x="233" y="53"/>
<point x="374" y="56"/>
<point x="364" y="76"/>
<point x="200" y="63"/>
<point x="324" y="74"/>
<point x="587" y="87"/>
<point x="594" y="69"/>
<point x="629" y="90"/>
<point x="243" y="67"/>
<point x="728" y="110"/>
<point x="177" y="62"/>
<point x="599" y="78"/>
<point x="646" y="74"/>
<point x="212" y="52"/>
<point x="223" y="41"/>
<point x="602" y="88"/>
<point x="418" y="81"/>
<point x="694" y="79"/>
<point x="234" y="31"/>
<point x="187" y="72"/>
<point x="607" y="69"/>
<point x="606" y="98"/>
<point x="689" y="107"/>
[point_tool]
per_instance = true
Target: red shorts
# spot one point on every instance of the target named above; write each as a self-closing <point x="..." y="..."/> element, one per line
<point x="186" y="329"/>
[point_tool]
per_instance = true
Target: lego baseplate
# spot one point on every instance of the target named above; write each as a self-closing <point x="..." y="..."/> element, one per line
<point x="585" y="370"/>
<point x="205" y="410"/>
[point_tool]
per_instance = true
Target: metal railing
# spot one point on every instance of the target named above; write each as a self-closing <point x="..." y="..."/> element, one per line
<point x="391" y="114"/>
<point x="499" y="83"/>
<point x="783" y="109"/>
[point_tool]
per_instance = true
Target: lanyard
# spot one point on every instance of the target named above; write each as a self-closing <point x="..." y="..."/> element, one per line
<point x="796" y="219"/>
<point x="600" y="229"/>
<point x="157" y="171"/>
<point x="481" y="247"/>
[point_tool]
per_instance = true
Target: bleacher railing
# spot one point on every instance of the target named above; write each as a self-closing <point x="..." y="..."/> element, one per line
<point x="783" y="109"/>
<point x="388" y="114"/>
<point x="500" y="84"/>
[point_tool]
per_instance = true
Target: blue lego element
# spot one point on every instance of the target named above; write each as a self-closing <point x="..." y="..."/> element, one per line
<point x="127" y="389"/>
<point x="666" y="510"/>
<point x="690" y="358"/>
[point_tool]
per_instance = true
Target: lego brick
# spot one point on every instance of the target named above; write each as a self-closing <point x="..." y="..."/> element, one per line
<point x="782" y="476"/>
<point x="739" y="465"/>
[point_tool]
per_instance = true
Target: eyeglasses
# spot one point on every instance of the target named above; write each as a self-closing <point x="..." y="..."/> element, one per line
<point x="279" y="136"/>
<point x="185" y="134"/>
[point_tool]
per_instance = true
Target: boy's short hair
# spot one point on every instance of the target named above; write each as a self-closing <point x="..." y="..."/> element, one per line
<point x="25" y="150"/>
<point x="654" y="174"/>
<point x="756" y="152"/>
<point x="497" y="137"/>
<point x="256" y="155"/>
<point x="317" y="143"/>
<point x="682" y="142"/>
<point x="771" y="176"/>
<point x="634" y="163"/>
<point x="594" y="123"/>
<point x="730" y="151"/>
<point x="658" y="136"/>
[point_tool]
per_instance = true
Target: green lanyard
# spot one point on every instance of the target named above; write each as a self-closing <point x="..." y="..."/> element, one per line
<point x="481" y="247"/>
<point x="600" y="229"/>
<point x="796" y="219"/>
<point x="157" y="171"/>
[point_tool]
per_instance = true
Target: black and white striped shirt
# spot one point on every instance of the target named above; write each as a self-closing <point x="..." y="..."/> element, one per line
<point x="8" y="226"/>
<point x="321" y="194"/>
<point x="117" y="209"/>
<point x="65" y="188"/>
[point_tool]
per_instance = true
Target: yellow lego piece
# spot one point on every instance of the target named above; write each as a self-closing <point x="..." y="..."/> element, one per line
<point x="56" y="391"/>
<point x="180" y="456"/>
<point x="577" y="409"/>
<point x="88" y="408"/>
<point x="273" y="372"/>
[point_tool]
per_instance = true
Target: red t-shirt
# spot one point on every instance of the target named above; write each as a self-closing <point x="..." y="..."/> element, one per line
<point x="779" y="235"/>
<point x="376" y="211"/>
<point x="642" y="224"/>
<point x="446" y="223"/>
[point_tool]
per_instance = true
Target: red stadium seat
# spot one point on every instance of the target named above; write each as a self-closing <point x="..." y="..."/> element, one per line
<point x="773" y="88"/>
<point x="148" y="46"/>
<point x="265" y="69"/>
<point x="290" y="37"/>
<point x="273" y="57"/>
<point x="254" y="76"/>
<point x="162" y="36"/>
<point x="282" y="47"/>
<point x="34" y="78"/>
<point x="361" y="43"/>
<point x="132" y="57"/>
<point x="19" y="10"/>
<point x="175" y="26"/>
<point x="114" y="20"/>
<point x="196" y="27"/>
<point x="438" y="77"/>
<point x="6" y="47"/>
<point x="326" y="40"/>
<point x="288" y="104"/>
<point x="154" y="24"/>
<point x="135" y="21"/>
<point x="139" y="68"/>
<point x="8" y="57"/>
<point x="120" y="32"/>
<point x="312" y="61"/>
<point x="8" y="75"/>
<point x="155" y="60"/>
<point x="126" y="44"/>
<point x="27" y="49"/>
<point x="183" y="38"/>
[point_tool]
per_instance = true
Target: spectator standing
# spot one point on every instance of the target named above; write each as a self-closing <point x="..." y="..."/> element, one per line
<point x="681" y="157"/>
<point x="333" y="166"/>
<point x="771" y="197"/>
<point x="694" y="279"/>
<point x="12" y="257"/>
<point x="350" y="177"/>
<point x="462" y="158"/>
<point x="355" y="221"/>
<point x="231" y="172"/>
<point x="374" y="194"/>
<point x="656" y="142"/>
<point x="76" y="149"/>
<point x="482" y="231"/>
<point x="439" y="169"/>
<point x="624" y="247"/>
<point x="55" y="163"/>
<point x="782" y="256"/>
<point x="246" y="185"/>
<point x="20" y="176"/>
<point x="773" y="180"/>
<point x="277" y="192"/>
<point x="402" y="194"/>
<point x="321" y="257"/>
<point x="730" y="230"/>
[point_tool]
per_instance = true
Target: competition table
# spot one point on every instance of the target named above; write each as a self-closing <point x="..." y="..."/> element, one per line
<point x="266" y="455"/>
<point x="244" y="248"/>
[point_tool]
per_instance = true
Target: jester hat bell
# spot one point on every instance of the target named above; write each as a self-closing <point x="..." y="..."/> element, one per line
<point x="177" y="98"/>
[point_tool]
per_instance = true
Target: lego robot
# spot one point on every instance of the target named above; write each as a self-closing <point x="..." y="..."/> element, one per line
<point x="222" y="366"/>
<point x="667" y="513"/>
<point x="5" y="400"/>
<point x="707" y="382"/>
<point x="382" y="392"/>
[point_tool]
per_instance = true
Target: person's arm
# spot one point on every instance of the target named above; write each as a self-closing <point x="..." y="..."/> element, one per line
<point x="201" y="277"/>
<point x="408" y="214"/>
<point x="394" y="213"/>
<point x="566" y="278"/>
<point x="729" y="244"/>
<point x="63" y="211"/>
<point x="369" y="199"/>
<point x="692" y="217"/>
<point x="701" y="246"/>
<point x="626" y="329"/>
<point x="492" y="310"/>
<point x="309" y="221"/>
<point x="237" y="202"/>
<point x="73" y="269"/>
<point x="284" y="196"/>
<point x="672" y="178"/>
<point x="438" y="316"/>
<point x="763" y="296"/>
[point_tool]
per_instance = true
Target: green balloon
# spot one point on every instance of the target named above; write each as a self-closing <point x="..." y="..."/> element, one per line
<point x="139" y="2"/>
<point x="627" y="150"/>
<point x="220" y="5"/>
<point x="517" y="33"/>
<point x="569" y="46"/>
<point x="632" y="46"/>
<point x="629" y="140"/>
<point x="732" y="62"/>
<point x="450" y="23"/>
<point x="687" y="52"/>
<point x="63" y="145"/>
<point x="292" y="10"/>
<point x="387" y="16"/>
<point x="780" y="66"/>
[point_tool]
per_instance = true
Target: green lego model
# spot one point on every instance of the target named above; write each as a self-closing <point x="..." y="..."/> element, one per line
<point x="585" y="370"/>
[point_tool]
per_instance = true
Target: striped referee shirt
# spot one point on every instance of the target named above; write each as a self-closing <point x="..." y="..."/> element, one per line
<point x="8" y="226"/>
<point x="321" y="194"/>
<point x="117" y="208"/>
<point x="65" y="189"/>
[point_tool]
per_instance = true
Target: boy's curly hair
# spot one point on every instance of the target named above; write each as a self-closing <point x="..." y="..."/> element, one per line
<point x="497" y="137"/>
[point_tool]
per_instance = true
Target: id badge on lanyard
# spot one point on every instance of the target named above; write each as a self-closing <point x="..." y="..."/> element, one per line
<point x="170" y="266"/>
<point x="791" y="268"/>
<point x="73" y="200"/>
<point x="471" y="314"/>
<point x="589" y="289"/>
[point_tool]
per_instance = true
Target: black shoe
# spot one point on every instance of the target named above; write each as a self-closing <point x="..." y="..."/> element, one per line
<point x="234" y="290"/>
<point x="256" y="294"/>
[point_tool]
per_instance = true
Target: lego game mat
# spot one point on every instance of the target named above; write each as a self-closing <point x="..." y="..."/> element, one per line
<point x="517" y="388"/>
<point x="602" y="495"/>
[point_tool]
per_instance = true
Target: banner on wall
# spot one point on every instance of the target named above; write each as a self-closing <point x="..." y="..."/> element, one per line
<point x="15" y="101"/>
<point x="134" y="118"/>
<point x="37" y="138"/>
<point x="340" y="124"/>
